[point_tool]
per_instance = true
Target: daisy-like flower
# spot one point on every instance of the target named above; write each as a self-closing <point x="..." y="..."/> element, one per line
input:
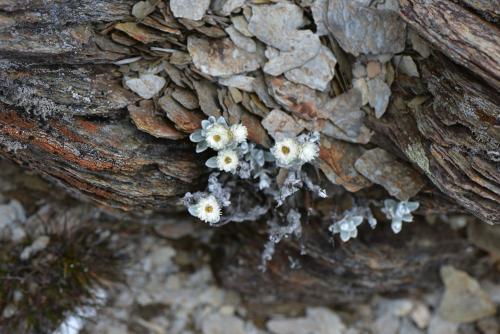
<point x="239" y="133"/>
<point x="227" y="160"/>
<point x="308" y="151"/>
<point x="285" y="151"/>
<point x="208" y="210"/>
<point x="218" y="137"/>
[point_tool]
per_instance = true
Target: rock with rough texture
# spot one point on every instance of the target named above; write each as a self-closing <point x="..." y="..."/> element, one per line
<point x="242" y="82"/>
<point x="146" y="85"/>
<point x="142" y="9"/>
<point x="207" y="97"/>
<point x="319" y="9"/>
<point x="485" y="236"/>
<point x="305" y="45"/>
<point x="344" y="111"/>
<point x="317" y="320"/>
<point x="139" y="33"/>
<point x="221" y="57"/>
<point x="381" y="167"/>
<point x="185" y="97"/>
<point x="378" y="95"/>
<point x="298" y="99"/>
<point x="337" y="162"/>
<point x="421" y="315"/>
<point x="189" y="9"/>
<point x="256" y="132"/>
<point x="441" y="326"/>
<point x="145" y="118"/>
<point x="217" y="323"/>
<point x="317" y="72"/>
<point x="240" y="23"/>
<point x="406" y="65"/>
<point x="241" y="41"/>
<point x="463" y="300"/>
<point x="275" y="24"/>
<point x="281" y="125"/>
<point x="184" y="119"/>
<point x="362" y="29"/>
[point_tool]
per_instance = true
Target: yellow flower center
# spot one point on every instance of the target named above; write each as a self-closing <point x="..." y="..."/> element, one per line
<point x="216" y="138"/>
<point x="285" y="150"/>
<point x="227" y="160"/>
<point x="209" y="209"/>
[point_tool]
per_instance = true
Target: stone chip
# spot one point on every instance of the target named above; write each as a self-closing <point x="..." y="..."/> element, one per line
<point x="221" y="57"/>
<point x="399" y="179"/>
<point x="189" y="9"/>
<point x="463" y="300"/>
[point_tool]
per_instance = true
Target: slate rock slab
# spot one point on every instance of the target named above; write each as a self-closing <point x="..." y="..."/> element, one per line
<point x="463" y="300"/>
<point x="381" y="167"/>
<point x="361" y="29"/>
<point x="221" y="57"/>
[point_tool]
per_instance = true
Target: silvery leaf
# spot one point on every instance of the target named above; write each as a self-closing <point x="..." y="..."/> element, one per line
<point x="193" y="210"/>
<point x="212" y="162"/>
<point x="196" y="136"/>
<point x="221" y="121"/>
<point x="202" y="146"/>
<point x="396" y="226"/>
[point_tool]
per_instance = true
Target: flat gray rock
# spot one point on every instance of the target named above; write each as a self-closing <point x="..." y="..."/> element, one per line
<point x="281" y="125"/>
<point x="317" y="72"/>
<point x="146" y="85"/>
<point x="378" y="95"/>
<point x="317" y="320"/>
<point x="241" y="41"/>
<point x="241" y="82"/>
<point x="381" y="167"/>
<point x="306" y="46"/>
<point x="362" y="29"/>
<point x="274" y="24"/>
<point x="189" y="9"/>
<point x="344" y="111"/>
<point x="221" y="57"/>
<point x="463" y="300"/>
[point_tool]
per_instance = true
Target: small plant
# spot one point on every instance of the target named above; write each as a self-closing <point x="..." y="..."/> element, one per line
<point x="396" y="212"/>
<point x="249" y="183"/>
<point x="247" y="162"/>
<point x="399" y="212"/>
<point x="46" y="278"/>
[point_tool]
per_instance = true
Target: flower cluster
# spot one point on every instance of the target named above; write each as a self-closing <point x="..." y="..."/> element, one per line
<point x="207" y="206"/>
<point x="294" y="152"/>
<point x="347" y="227"/>
<point x="248" y="162"/>
<point x="226" y="140"/>
<point x="399" y="213"/>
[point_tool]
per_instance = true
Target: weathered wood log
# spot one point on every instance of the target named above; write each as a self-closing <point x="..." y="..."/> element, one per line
<point x="314" y="271"/>
<point x="110" y="162"/>
<point x="458" y="33"/>
<point x="453" y="138"/>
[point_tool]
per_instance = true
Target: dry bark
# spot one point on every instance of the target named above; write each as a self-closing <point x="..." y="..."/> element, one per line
<point x="453" y="138"/>
<point x="458" y="33"/>
<point x="316" y="272"/>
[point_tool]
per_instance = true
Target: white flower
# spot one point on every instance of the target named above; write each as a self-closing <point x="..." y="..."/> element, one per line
<point x="285" y="151"/>
<point x="208" y="210"/>
<point x="218" y="137"/>
<point x="227" y="160"/>
<point x="308" y="151"/>
<point x="347" y="227"/>
<point x="239" y="133"/>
